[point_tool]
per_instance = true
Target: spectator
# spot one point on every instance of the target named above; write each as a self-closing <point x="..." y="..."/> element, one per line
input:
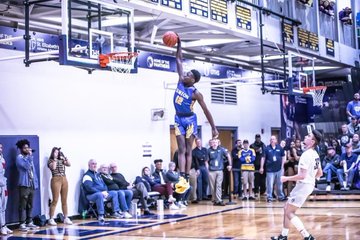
<point x="199" y="154"/>
<point x="283" y="144"/>
<point x="174" y="178"/>
<point x="215" y="164"/>
<point x="226" y="174"/>
<point x="247" y="159"/>
<point x="292" y="160"/>
<point x="345" y="137"/>
<point x="345" y="16"/>
<point x="124" y="195"/>
<point x="260" y="179"/>
<point x="28" y="183"/>
<point x="59" y="184"/>
<point x="273" y="159"/>
<point x="164" y="189"/>
<point x="332" y="164"/>
<point x="3" y="194"/>
<point x="347" y="160"/>
<point x="96" y="191"/>
<point x="139" y="189"/>
<point x="327" y="7"/>
<point x="336" y="145"/>
<point x="355" y="142"/>
<point x="353" y="107"/>
<point x="353" y="126"/>
<point x="236" y="167"/>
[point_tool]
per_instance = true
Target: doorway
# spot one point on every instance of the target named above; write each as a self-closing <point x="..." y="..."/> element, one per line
<point x="173" y="142"/>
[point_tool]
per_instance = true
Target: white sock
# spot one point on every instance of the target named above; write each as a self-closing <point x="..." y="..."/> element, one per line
<point x="285" y="232"/>
<point x="299" y="226"/>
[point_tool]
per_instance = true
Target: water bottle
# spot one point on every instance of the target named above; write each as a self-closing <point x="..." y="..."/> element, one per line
<point x="83" y="214"/>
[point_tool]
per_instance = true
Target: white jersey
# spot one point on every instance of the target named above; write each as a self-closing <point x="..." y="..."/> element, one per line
<point x="310" y="161"/>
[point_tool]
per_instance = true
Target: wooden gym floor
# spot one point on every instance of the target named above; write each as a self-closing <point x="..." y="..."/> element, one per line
<point x="326" y="220"/>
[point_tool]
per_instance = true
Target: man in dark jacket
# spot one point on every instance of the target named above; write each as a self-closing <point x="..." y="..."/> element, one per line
<point x="96" y="191"/>
<point x="260" y="179"/>
<point x="158" y="174"/>
<point x="236" y="167"/>
<point x="332" y="163"/>
<point x="139" y="189"/>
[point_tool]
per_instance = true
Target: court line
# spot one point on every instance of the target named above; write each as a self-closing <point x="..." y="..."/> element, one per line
<point x="166" y="222"/>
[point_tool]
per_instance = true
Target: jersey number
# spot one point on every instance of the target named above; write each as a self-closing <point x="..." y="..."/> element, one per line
<point x="179" y="100"/>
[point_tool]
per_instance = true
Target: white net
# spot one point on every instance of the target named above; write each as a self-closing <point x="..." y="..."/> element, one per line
<point x="122" y="62"/>
<point x="317" y="94"/>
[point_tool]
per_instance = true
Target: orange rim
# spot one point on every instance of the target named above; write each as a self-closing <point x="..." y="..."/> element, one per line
<point x="308" y="89"/>
<point x="122" y="55"/>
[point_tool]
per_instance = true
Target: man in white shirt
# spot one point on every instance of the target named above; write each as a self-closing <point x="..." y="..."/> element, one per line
<point x="308" y="171"/>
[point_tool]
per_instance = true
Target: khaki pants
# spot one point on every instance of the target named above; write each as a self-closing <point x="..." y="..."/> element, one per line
<point x="193" y="184"/>
<point x="59" y="186"/>
<point x="216" y="179"/>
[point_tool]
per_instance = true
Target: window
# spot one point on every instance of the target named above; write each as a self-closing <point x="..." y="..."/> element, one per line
<point x="223" y="95"/>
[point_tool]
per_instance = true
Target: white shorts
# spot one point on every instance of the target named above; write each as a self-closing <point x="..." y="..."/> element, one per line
<point x="300" y="193"/>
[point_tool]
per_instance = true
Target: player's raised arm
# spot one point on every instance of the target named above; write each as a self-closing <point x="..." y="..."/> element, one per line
<point x="199" y="97"/>
<point x="179" y="60"/>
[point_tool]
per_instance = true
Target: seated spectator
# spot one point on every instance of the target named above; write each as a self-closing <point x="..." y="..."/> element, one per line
<point x="335" y="144"/>
<point x="96" y="191"/>
<point x="345" y="137"/>
<point x="139" y="189"/>
<point x="164" y="189"/>
<point x="332" y="164"/>
<point x="355" y="142"/>
<point x="125" y="196"/>
<point x="345" y="16"/>
<point x="247" y="159"/>
<point x="353" y="107"/>
<point x="347" y="160"/>
<point x="174" y="177"/>
<point x="353" y="126"/>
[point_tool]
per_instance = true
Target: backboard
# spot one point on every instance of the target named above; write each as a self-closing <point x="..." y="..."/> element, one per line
<point x="301" y="70"/>
<point x="93" y="27"/>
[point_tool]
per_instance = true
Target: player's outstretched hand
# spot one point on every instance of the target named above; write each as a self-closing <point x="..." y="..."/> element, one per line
<point x="215" y="133"/>
<point x="283" y="179"/>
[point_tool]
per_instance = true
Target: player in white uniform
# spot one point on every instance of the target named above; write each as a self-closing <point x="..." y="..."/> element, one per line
<point x="3" y="195"/>
<point x="308" y="171"/>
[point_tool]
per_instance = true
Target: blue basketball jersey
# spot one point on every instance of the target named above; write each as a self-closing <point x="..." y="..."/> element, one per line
<point x="183" y="101"/>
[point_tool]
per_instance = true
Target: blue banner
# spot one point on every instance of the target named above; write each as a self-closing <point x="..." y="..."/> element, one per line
<point x="167" y="63"/>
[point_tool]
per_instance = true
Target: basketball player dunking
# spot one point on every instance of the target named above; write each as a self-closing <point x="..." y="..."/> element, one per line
<point x="309" y="171"/>
<point x="185" y="119"/>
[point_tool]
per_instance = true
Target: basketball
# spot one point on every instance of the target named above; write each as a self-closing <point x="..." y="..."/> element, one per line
<point x="170" y="39"/>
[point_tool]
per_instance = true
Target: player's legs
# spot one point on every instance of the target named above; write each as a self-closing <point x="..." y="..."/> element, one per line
<point x="181" y="153"/>
<point x="188" y="153"/>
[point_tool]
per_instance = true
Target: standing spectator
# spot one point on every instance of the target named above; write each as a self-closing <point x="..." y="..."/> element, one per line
<point x="290" y="166"/>
<point x="247" y="159"/>
<point x="283" y="144"/>
<point x="345" y="16"/>
<point x="236" y="167"/>
<point x="347" y="160"/>
<point x="345" y="137"/>
<point x="28" y="183"/>
<point x="353" y="126"/>
<point x="260" y="179"/>
<point x="273" y="159"/>
<point x="59" y="184"/>
<point x="96" y="191"/>
<point x="215" y="165"/>
<point x="174" y="178"/>
<point x="138" y="188"/>
<point x="332" y="163"/>
<point x="124" y="195"/>
<point x="164" y="189"/>
<point x="226" y="174"/>
<point x="199" y="154"/>
<point x="3" y="194"/>
<point x="353" y="107"/>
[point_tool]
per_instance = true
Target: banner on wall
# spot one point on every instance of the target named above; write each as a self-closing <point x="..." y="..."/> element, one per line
<point x="166" y="63"/>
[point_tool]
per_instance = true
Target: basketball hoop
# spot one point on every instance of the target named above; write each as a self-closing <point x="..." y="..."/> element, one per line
<point x="317" y="93"/>
<point x="120" y="62"/>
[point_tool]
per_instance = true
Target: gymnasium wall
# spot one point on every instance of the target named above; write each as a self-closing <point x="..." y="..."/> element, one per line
<point x="108" y="117"/>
